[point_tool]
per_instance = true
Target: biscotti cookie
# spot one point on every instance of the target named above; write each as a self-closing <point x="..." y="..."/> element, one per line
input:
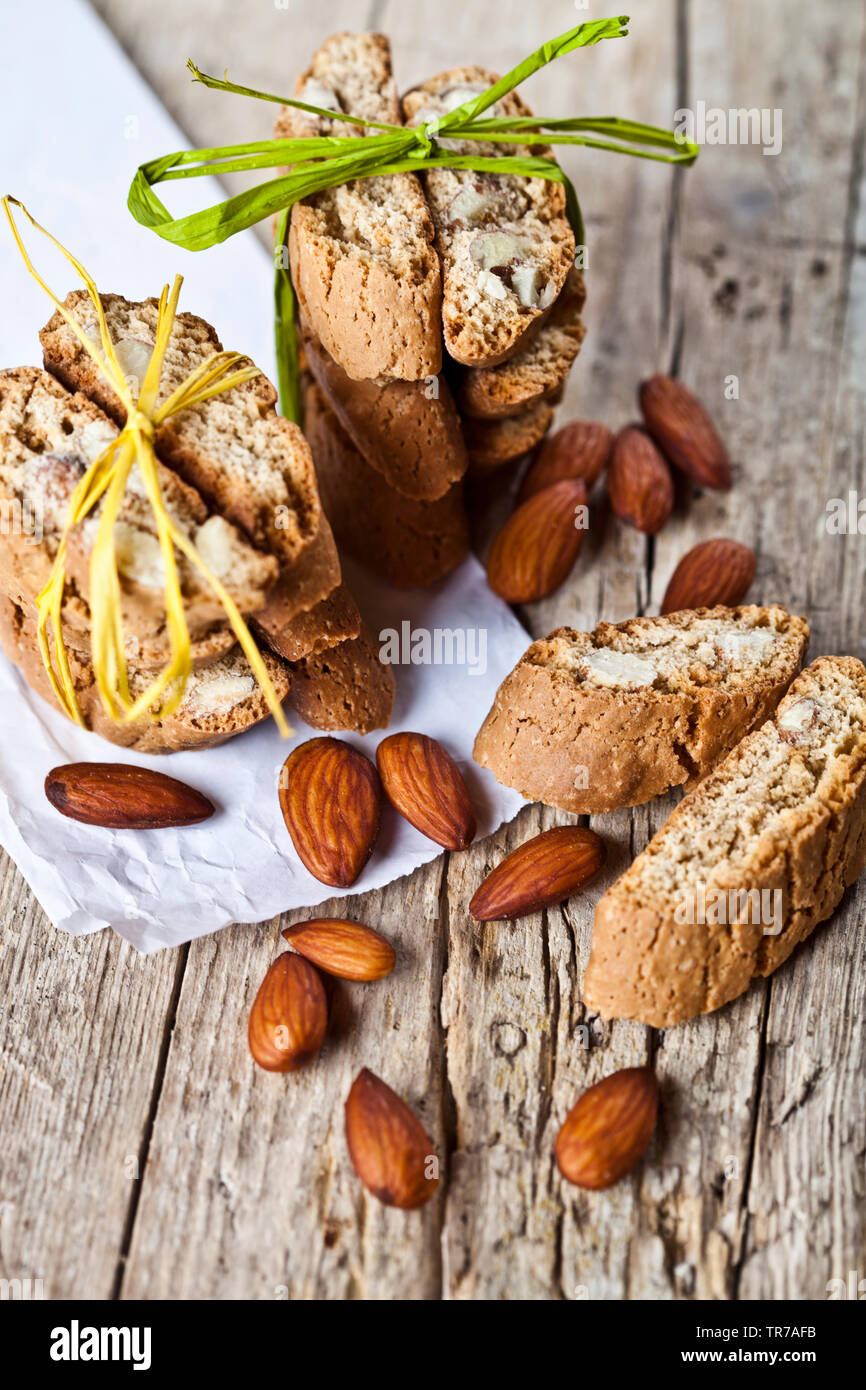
<point x="493" y="443"/>
<point x="363" y="263"/>
<point x="221" y="700"/>
<point x="406" y="542"/>
<point x="505" y="242"/>
<point x="306" y="583"/>
<point x="592" y="721"/>
<point x="537" y="371"/>
<point x="247" y="461"/>
<point x="346" y="688"/>
<point x="747" y="866"/>
<point x="333" y="620"/>
<point x="48" y="439"/>
<point x="408" y="431"/>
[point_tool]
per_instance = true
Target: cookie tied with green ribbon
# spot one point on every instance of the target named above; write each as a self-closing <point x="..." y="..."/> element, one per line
<point x="319" y="162"/>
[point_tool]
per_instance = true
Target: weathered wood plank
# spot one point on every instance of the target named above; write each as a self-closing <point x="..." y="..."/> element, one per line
<point x="81" y="1035"/>
<point x="521" y="1047"/>
<point x="760" y="278"/>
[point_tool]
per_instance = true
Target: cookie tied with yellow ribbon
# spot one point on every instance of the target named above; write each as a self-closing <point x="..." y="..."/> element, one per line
<point x="123" y="586"/>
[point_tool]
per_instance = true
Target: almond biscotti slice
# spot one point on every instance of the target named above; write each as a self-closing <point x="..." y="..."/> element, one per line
<point x="592" y="721"/>
<point x="48" y="439"/>
<point x="220" y="700"/>
<point x="334" y="619"/>
<point x="535" y="373"/>
<point x="747" y="866"/>
<point x="345" y="688"/>
<point x="245" y="460"/>
<point x="505" y="242"/>
<point x="408" y="431"/>
<point x="493" y="443"/>
<point x="363" y="263"/>
<point x="407" y="542"/>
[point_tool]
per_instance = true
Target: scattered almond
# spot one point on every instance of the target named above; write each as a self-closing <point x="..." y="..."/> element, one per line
<point x="580" y="449"/>
<point x="535" y="550"/>
<point x="389" y="1147"/>
<point x="331" y="802"/>
<point x="716" y="571"/>
<point x="426" y="786"/>
<point x="343" y="948"/>
<point x="609" y="1128"/>
<point x="120" y="797"/>
<point x="289" y="1016"/>
<point x="639" y="482"/>
<point x="546" y="870"/>
<point x="684" y="431"/>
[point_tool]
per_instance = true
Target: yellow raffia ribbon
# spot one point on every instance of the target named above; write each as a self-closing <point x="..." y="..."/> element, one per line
<point x="106" y="478"/>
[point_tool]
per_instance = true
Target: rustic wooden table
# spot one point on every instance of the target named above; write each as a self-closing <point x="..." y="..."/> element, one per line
<point x="142" y="1153"/>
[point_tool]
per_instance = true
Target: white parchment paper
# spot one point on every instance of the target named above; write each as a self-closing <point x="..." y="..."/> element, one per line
<point x="72" y="152"/>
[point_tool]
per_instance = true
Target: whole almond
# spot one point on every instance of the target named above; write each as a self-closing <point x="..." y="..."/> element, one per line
<point x="536" y="548"/>
<point x="545" y="870"/>
<point x="684" y="431"/>
<point x="332" y="803"/>
<point x="639" y="482"/>
<point x="121" y="797"/>
<point x="389" y="1147"/>
<point x="609" y="1128"/>
<point x="289" y="1016"/>
<point x="580" y="449"/>
<point x="343" y="948"/>
<point x="426" y="786"/>
<point x="716" y="571"/>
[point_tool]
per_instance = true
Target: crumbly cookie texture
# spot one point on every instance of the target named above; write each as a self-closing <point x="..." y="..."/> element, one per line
<point x="408" y="431"/>
<point x="505" y="243"/>
<point x="593" y="721"/>
<point x="48" y="439"/>
<point x="246" y="461"/>
<point x="749" y="863"/>
<point x="346" y="688"/>
<point x="363" y="262"/>
<point x="493" y="443"/>
<point x="406" y="542"/>
<point x="536" y="372"/>
<point x="220" y="700"/>
<point x="333" y="620"/>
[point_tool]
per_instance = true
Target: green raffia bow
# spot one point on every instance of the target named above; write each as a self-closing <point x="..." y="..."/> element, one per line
<point x="325" y="161"/>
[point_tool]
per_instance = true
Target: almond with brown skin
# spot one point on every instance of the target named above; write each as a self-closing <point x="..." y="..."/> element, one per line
<point x="580" y="449"/>
<point x="120" y="797"/>
<point x="332" y="803"/>
<point x="289" y="1016"/>
<point x="546" y="870"/>
<point x="639" y="482"/>
<point x="535" y="550"/>
<point x="389" y="1147"/>
<point x="684" y="431"/>
<point x="344" y="948"/>
<point x="716" y="571"/>
<point x="608" y="1130"/>
<point x="427" y="787"/>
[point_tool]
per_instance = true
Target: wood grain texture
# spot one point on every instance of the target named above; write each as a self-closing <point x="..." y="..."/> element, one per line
<point x="143" y="1155"/>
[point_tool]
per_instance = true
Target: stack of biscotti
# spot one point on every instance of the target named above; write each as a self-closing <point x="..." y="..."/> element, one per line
<point x="593" y="721"/>
<point x="48" y="437"/>
<point x="512" y="298"/>
<point x="394" y="301"/>
<point x="382" y="422"/>
<point x="255" y="469"/>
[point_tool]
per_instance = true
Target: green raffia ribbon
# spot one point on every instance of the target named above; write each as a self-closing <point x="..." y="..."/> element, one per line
<point x="325" y="161"/>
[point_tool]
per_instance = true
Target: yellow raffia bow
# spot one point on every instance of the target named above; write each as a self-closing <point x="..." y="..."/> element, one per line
<point x="107" y="477"/>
